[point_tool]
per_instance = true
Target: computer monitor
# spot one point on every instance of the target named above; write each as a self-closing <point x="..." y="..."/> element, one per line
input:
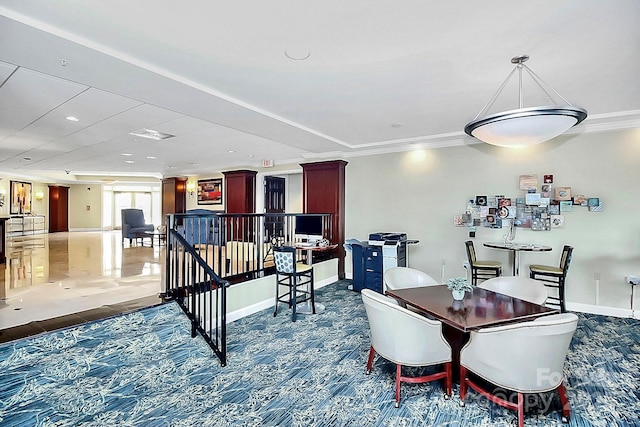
<point x="309" y="226"/>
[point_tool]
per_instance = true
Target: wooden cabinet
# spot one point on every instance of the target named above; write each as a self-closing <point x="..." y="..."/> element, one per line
<point x="240" y="191"/>
<point x="174" y="200"/>
<point x="58" y="208"/>
<point x="323" y="191"/>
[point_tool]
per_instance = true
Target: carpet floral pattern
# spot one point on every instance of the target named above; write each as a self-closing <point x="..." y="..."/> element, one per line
<point x="144" y="369"/>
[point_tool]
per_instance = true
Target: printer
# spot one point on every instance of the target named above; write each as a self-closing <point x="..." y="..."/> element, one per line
<point x="394" y="248"/>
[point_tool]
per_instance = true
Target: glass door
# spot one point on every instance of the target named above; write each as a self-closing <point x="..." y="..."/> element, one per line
<point x="131" y="199"/>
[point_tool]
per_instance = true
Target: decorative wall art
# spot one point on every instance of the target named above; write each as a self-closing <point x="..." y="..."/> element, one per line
<point x="563" y="193"/>
<point x="210" y="191"/>
<point x="529" y="182"/>
<point x="557" y="221"/>
<point x="20" y="197"/>
<point x="539" y="211"/>
<point x="481" y="200"/>
<point x="595" y="205"/>
<point x="580" y="200"/>
<point x="566" y="206"/>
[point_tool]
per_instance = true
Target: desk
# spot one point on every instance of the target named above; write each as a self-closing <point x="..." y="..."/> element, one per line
<point x="306" y="308"/>
<point x="516" y="248"/>
<point x="480" y="308"/>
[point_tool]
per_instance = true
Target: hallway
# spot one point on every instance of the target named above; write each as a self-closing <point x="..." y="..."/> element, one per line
<point x="60" y="279"/>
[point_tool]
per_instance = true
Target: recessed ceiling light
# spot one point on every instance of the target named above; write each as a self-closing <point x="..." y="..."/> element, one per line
<point x="127" y="154"/>
<point x="129" y="161"/>
<point x="252" y="155"/>
<point x="27" y="158"/>
<point x="397" y="125"/>
<point x="151" y="157"/>
<point x="151" y="134"/>
<point x="231" y="151"/>
<point x="72" y="119"/>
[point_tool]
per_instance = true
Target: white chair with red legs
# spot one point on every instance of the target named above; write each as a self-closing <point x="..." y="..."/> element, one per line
<point x="406" y="339"/>
<point x="523" y="357"/>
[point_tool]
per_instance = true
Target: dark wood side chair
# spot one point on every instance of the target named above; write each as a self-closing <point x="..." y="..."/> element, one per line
<point x="481" y="269"/>
<point x="554" y="277"/>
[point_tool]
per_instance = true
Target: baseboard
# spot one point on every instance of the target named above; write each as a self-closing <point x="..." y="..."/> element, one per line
<point x="268" y="303"/>
<point x="604" y="310"/>
<point x="86" y="229"/>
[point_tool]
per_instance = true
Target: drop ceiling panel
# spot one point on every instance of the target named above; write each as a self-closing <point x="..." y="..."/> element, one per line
<point x="29" y="95"/>
<point x="89" y="107"/>
<point x="5" y="71"/>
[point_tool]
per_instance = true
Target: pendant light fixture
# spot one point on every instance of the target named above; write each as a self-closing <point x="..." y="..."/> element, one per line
<point x="525" y="125"/>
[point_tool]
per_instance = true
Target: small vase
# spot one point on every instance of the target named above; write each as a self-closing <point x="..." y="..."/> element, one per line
<point x="458" y="295"/>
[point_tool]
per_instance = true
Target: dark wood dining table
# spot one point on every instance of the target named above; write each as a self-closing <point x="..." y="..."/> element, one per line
<point x="480" y="308"/>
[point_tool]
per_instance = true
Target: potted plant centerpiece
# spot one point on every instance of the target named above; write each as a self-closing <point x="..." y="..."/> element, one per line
<point x="458" y="286"/>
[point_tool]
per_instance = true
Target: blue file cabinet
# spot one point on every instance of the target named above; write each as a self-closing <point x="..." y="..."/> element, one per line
<point x="367" y="266"/>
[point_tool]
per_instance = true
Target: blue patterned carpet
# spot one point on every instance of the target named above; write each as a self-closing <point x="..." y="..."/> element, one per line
<point x="144" y="369"/>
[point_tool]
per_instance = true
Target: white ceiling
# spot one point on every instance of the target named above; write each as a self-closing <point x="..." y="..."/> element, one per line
<point x="216" y="74"/>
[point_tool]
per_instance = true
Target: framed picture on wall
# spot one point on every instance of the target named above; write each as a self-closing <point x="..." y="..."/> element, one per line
<point x="20" y="197"/>
<point x="210" y="191"/>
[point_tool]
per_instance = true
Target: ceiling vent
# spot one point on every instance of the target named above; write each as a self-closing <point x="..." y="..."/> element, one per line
<point x="151" y="134"/>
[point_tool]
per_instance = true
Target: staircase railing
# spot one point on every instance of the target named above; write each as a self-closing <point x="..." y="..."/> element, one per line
<point x="199" y="291"/>
<point x="240" y="246"/>
<point x="206" y="251"/>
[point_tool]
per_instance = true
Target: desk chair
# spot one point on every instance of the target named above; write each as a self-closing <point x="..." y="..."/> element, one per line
<point x="394" y="335"/>
<point x="554" y="277"/>
<point x="526" y="357"/>
<point x="296" y="277"/>
<point x="481" y="269"/>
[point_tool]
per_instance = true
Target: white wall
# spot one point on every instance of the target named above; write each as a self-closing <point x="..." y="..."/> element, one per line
<point x="420" y="192"/>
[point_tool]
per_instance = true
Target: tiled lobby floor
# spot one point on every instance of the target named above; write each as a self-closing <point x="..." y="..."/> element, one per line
<point x="51" y="281"/>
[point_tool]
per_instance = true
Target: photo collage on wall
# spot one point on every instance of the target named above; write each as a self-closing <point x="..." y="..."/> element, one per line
<point x="541" y="207"/>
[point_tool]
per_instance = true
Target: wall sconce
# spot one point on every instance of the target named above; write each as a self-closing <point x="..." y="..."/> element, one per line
<point x="191" y="187"/>
<point x="39" y="195"/>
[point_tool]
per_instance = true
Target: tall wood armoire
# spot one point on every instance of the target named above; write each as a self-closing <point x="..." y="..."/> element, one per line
<point x="323" y="191"/>
<point x="174" y="199"/>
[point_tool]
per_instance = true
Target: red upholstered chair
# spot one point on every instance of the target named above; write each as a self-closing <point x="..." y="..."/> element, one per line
<point x="523" y="357"/>
<point x="406" y="339"/>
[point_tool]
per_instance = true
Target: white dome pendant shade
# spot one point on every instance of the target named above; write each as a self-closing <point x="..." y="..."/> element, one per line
<point x="524" y="126"/>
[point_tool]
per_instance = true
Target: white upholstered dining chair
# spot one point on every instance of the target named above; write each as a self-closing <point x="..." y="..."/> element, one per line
<point x="523" y="357"/>
<point x="406" y="339"/>
<point x="522" y="288"/>
<point x="406" y="277"/>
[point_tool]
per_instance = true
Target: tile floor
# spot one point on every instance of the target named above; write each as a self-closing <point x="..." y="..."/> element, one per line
<point x="50" y="281"/>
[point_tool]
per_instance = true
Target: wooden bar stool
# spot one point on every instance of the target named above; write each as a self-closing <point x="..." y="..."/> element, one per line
<point x="481" y="269"/>
<point x="554" y="277"/>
